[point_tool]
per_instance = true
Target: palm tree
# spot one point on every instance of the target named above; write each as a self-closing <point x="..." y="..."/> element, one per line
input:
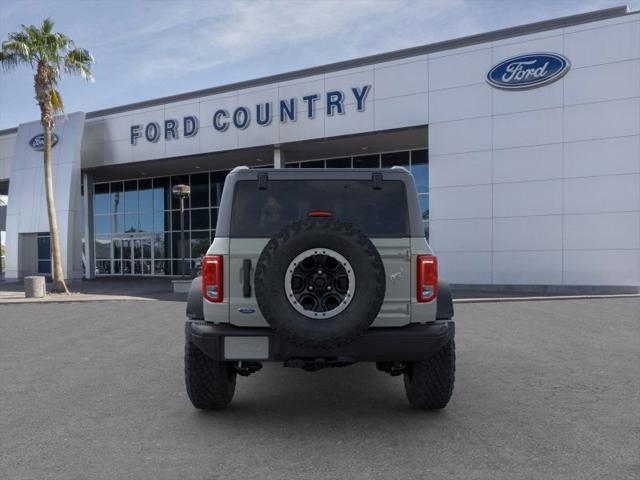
<point x="50" y="55"/>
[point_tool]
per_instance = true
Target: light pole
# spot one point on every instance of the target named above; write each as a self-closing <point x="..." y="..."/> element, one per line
<point x="182" y="192"/>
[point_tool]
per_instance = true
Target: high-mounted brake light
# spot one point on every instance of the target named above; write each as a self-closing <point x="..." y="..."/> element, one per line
<point x="320" y="213"/>
<point x="427" y="278"/>
<point x="212" y="274"/>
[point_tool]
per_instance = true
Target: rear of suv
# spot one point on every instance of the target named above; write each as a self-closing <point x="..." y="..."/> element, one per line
<point x="314" y="269"/>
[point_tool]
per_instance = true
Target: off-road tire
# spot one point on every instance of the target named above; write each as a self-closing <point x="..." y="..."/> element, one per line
<point x="429" y="383"/>
<point x="320" y="333"/>
<point x="210" y="384"/>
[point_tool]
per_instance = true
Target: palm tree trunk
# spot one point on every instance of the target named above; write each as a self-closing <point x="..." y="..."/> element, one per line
<point x="59" y="284"/>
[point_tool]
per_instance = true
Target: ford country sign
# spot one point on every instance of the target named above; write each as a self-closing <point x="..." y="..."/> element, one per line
<point x="528" y="71"/>
<point x="37" y="142"/>
<point x="262" y="113"/>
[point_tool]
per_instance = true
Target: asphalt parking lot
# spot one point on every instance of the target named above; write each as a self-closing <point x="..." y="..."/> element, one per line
<point x="544" y="389"/>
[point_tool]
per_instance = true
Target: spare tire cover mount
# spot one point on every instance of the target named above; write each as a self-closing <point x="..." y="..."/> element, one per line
<point x="319" y="283"/>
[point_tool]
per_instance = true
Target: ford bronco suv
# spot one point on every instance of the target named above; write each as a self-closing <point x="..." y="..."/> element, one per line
<point x="319" y="268"/>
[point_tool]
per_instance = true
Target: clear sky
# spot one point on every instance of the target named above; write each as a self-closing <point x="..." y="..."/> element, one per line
<point x="149" y="49"/>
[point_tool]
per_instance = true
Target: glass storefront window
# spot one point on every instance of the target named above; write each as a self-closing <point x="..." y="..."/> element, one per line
<point x="102" y="224"/>
<point x="144" y="209"/>
<point x="175" y="220"/>
<point x="175" y="244"/>
<point x="314" y="164"/>
<point x="117" y="223"/>
<point x="103" y="267"/>
<point x="117" y="198"/>
<point x="367" y="161"/>
<point x="44" y="266"/>
<point x="161" y="194"/>
<point x="101" y="199"/>
<point x="103" y="247"/>
<point x="160" y="245"/>
<point x="162" y="267"/>
<point x="339" y="163"/>
<point x="44" y="247"/>
<point x="400" y="159"/>
<point x="131" y="222"/>
<point x="200" y="219"/>
<point x="146" y="222"/>
<point x="44" y="253"/>
<point x="424" y="206"/>
<point x="200" y="190"/>
<point x="214" y="218"/>
<point x="420" y="170"/>
<point x="161" y="221"/>
<point x="145" y="195"/>
<point x="199" y="244"/>
<point x="117" y="248"/>
<point x="131" y="203"/>
<point x="217" y="182"/>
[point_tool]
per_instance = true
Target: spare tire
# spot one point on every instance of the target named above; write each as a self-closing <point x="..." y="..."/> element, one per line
<point x="319" y="283"/>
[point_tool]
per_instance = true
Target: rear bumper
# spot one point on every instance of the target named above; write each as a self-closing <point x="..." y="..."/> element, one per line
<point x="410" y="343"/>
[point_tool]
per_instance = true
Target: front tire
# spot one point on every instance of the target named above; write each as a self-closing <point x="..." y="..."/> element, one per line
<point x="210" y="384"/>
<point x="429" y="383"/>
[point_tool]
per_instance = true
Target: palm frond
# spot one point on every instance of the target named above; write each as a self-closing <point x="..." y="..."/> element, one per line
<point x="79" y="61"/>
<point x="63" y="42"/>
<point x="19" y="47"/>
<point x="9" y="61"/>
<point x="47" y="26"/>
<point x="56" y="101"/>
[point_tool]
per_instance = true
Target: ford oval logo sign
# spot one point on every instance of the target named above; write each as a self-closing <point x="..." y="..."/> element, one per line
<point x="528" y="71"/>
<point x="37" y="142"/>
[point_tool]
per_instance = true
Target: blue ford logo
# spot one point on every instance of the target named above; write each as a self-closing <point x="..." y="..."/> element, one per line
<point x="247" y="310"/>
<point x="528" y="71"/>
<point x="37" y="142"/>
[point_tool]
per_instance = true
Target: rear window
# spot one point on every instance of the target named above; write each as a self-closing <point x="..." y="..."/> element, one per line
<point x="262" y="213"/>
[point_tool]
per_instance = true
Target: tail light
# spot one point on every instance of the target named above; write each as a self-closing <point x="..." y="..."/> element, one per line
<point x="212" y="282"/>
<point x="427" y="278"/>
<point x="319" y="213"/>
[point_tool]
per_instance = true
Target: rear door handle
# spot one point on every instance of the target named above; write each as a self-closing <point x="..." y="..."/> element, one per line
<point x="246" y="278"/>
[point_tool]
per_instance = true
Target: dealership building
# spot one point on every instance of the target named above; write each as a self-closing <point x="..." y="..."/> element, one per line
<point x="524" y="144"/>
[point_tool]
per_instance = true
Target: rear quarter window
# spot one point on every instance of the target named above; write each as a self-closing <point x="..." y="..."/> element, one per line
<point x="262" y="213"/>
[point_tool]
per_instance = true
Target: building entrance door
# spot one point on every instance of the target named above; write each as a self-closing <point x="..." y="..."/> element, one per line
<point x="133" y="256"/>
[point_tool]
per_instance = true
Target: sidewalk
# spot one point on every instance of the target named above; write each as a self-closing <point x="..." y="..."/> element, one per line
<point x="103" y="289"/>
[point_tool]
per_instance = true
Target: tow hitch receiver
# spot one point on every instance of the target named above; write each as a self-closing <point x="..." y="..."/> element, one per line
<point x="315" y="364"/>
<point x="392" y="368"/>
<point x="245" y="369"/>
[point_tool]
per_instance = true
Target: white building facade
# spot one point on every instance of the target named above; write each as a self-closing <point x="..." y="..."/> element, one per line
<point x="528" y="170"/>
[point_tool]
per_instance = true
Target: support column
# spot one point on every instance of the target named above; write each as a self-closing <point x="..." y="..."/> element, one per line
<point x="278" y="157"/>
<point x="87" y="204"/>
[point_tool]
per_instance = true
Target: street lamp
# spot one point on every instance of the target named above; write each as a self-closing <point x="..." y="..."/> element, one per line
<point x="182" y="192"/>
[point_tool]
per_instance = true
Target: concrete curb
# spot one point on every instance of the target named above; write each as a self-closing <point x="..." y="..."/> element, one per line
<point x="543" y="299"/>
<point x="75" y="299"/>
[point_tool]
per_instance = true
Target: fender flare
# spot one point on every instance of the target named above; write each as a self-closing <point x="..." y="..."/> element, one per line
<point x="445" y="301"/>
<point x="195" y="309"/>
